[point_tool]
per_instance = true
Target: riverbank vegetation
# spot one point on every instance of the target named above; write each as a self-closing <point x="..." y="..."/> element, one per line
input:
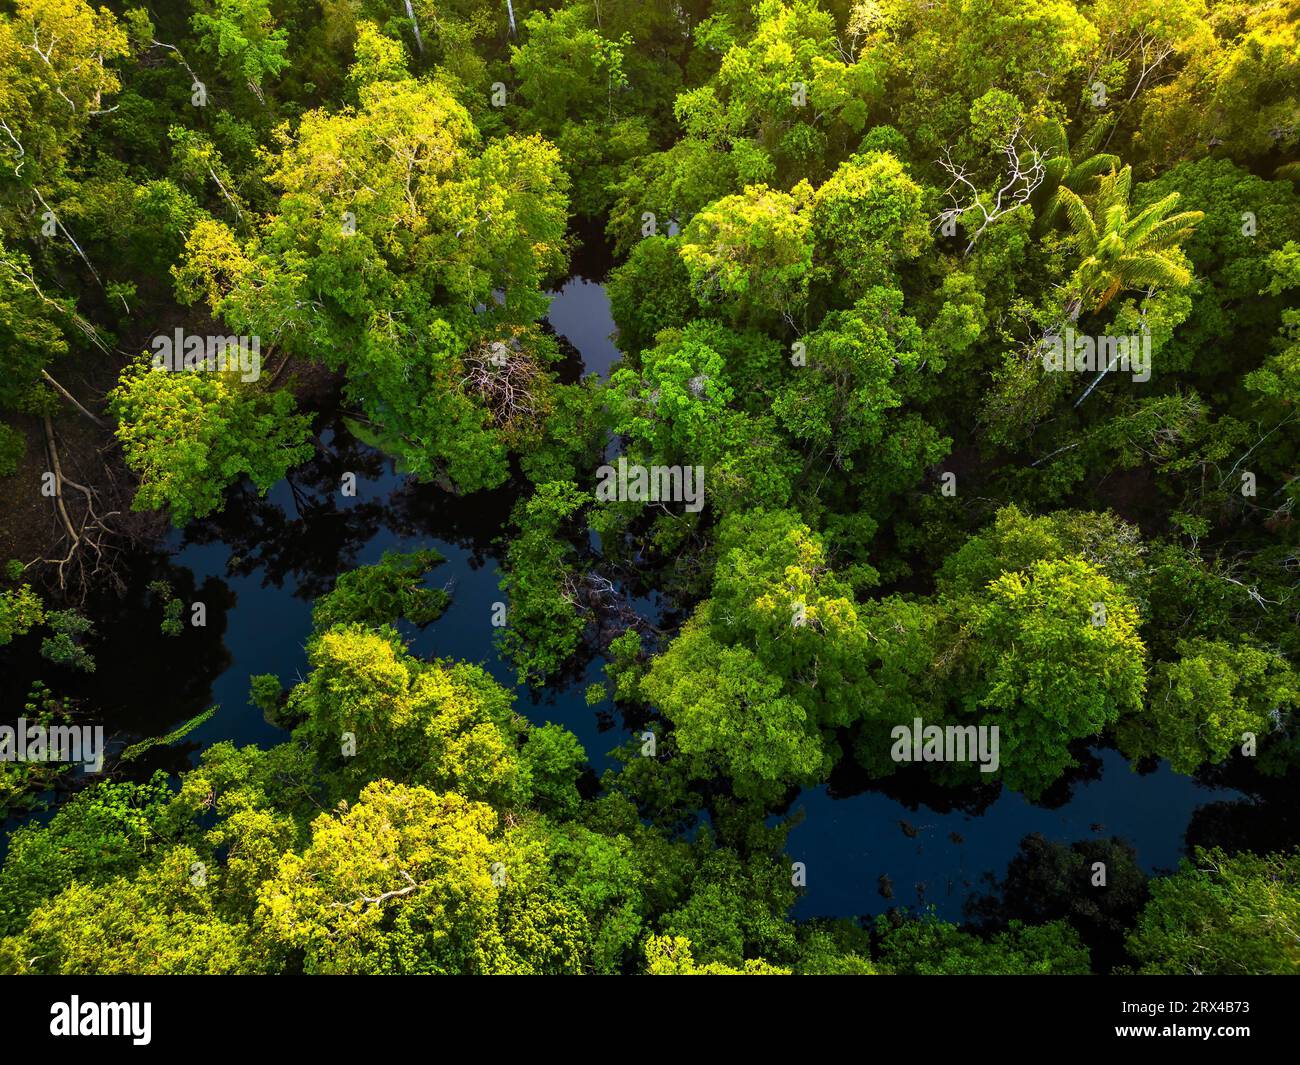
<point x="973" y="322"/>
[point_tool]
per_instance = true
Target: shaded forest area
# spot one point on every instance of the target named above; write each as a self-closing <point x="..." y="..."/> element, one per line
<point x="960" y="353"/>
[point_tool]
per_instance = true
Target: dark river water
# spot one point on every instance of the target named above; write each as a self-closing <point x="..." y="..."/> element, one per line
<point x="259" y="565"/>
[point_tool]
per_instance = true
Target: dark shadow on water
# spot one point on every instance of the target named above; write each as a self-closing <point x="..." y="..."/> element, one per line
<point x="938" y="855"/>
<point x="258" y="566"/>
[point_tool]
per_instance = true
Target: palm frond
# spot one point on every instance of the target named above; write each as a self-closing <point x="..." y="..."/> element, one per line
<point x="1091" y="141"/>
<point x="1148" y="217"/>
<point x="1116" y="188"/>
<point x="1153" y="270"/>
<point x="1044" y="196"/>
<point x="1169" y="232"/>
<point x="1051" y="211"/>
<point x="1091" y="169"/>
<point x="1050" y="139"/>
<point x="1079" y="217"/>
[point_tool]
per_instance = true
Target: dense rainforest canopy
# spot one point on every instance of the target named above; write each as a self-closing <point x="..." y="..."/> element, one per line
<point x="960" y="356"/>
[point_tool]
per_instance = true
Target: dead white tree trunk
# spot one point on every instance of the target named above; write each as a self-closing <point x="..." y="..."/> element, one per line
<point x="71" y="398"/>
<point x="71" y="240"/>
<point x="410" y="13"/>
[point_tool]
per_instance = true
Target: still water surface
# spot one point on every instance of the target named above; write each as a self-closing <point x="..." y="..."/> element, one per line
<point x="260" y="564"/>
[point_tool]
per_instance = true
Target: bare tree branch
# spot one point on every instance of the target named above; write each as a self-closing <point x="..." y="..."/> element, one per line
<point x="1021" y="179"/>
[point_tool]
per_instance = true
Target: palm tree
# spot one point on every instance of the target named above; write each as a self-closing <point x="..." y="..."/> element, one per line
<point x="1120" y="252"/>
<point x="1077" y="169"/>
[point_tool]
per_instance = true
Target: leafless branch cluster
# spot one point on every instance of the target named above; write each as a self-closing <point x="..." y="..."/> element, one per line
<point x="1022" y="177"/>
<point x="507" y="381"/>
<point x="1148" y="50"/>
<point x="84" y="531"/>
<point x="599" y="597"/>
